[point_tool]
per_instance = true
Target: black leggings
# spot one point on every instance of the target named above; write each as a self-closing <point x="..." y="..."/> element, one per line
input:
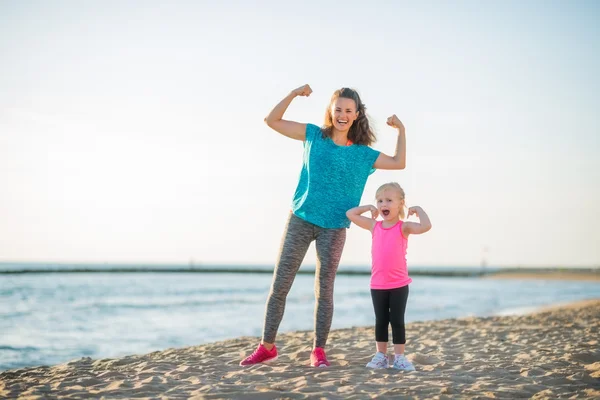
<point x="389" y="305"/>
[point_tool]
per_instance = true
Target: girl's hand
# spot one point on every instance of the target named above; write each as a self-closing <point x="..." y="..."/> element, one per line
<point x="395" y="122"/>
<point x="304" y="90"/>
<point x="413" y="210"/>
<point x="374" y="212"/>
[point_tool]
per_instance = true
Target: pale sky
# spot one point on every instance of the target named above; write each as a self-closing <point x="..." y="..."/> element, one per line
<point x="132" y="131"/>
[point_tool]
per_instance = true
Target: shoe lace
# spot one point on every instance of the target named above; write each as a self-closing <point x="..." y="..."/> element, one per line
<point x="402" y="362"/>
<point x="319" y="353"/>
<point x="255" y="353"/>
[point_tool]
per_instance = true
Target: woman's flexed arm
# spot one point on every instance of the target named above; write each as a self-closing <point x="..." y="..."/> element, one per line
<point x="398" y="161"/>
<point x="291" y="129"/>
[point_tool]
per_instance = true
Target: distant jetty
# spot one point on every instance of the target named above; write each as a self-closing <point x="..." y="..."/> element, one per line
<point x="215" y="270"/>
<point x="512" y="272"/>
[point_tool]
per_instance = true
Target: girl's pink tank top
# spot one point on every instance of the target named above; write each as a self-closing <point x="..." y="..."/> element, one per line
<point x="388" y="252"/>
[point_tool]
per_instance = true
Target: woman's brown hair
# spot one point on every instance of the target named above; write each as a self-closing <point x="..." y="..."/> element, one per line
<point x="360" y="132"/>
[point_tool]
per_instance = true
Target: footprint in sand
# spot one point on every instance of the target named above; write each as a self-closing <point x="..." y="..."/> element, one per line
<point x="425" y="359"/>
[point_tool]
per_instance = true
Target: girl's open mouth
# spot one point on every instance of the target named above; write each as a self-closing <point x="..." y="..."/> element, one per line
<point x="385" y="212"/>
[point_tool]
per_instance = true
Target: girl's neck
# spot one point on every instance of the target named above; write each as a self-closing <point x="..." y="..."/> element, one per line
<point x="390" y="223"/>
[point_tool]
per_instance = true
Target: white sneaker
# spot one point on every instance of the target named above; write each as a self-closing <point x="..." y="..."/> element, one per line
<point x="401" y="363"/>
<point x="380" y="360"/>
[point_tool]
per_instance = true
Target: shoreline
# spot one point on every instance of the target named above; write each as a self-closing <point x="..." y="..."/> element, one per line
<point x="593" y="276"/>
<point x="550" y="353"/>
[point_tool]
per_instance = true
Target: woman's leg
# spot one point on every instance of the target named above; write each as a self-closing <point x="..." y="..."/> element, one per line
<point x="398" y="299"/>
<point x="329" y="244"/>
<point x="297" y="237"/>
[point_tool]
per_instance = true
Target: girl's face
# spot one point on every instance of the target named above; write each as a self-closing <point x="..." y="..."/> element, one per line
<point x="343" y="114"/>
<point x="389" y="205"/>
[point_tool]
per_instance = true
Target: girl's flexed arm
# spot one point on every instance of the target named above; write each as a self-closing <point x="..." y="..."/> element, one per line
<point x="399" y="160"/>
<point x="354" y="215"/>
<point x="290" y="129"/>
<point x="416" y="228"/>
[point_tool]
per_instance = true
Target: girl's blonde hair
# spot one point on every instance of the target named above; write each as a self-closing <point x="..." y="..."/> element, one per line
<point x="396" y="188"/>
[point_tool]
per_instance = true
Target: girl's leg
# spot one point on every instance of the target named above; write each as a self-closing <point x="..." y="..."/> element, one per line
<point x="297" y="237"/>
<point x="381" y="306"/>
<point x="398" y="299"/>
<point x="329" y="244"/>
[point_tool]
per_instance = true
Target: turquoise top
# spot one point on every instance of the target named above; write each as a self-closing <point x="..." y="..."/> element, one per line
<point x="332" y="179"/>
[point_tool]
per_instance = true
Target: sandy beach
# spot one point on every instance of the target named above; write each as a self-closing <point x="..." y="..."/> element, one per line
<point x="592" y="275"/>
<point x="551" y="354"/>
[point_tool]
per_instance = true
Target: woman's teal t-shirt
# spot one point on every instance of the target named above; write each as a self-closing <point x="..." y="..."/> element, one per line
<point x="332" y="179"/>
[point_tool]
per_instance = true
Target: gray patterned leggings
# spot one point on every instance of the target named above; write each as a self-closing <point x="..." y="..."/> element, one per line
<point x="297" y="237"/>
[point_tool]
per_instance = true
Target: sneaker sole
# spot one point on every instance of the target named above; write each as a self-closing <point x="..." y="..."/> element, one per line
<point x="322" y="365"/>
<point x="375" y="367"/>
<point x="267" y="361"/>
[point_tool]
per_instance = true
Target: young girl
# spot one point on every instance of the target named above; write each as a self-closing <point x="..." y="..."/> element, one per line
<point x="336" y="164"/>
<point x="389" y="274"/>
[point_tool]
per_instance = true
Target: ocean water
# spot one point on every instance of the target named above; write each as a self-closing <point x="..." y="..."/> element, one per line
<point x="47" y="319"/>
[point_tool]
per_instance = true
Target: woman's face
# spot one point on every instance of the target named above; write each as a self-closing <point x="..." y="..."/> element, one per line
<point x="343" y="114"/>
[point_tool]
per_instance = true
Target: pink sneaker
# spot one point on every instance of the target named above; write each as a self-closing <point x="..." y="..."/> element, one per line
<point x="260" y="355"/>
<point x="318" y="358"/>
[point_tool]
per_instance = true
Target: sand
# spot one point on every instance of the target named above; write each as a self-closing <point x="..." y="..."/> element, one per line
<point x="551" y="354"/>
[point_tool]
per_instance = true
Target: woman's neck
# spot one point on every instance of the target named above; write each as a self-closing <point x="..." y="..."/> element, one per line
<point x="339" y="137"/>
